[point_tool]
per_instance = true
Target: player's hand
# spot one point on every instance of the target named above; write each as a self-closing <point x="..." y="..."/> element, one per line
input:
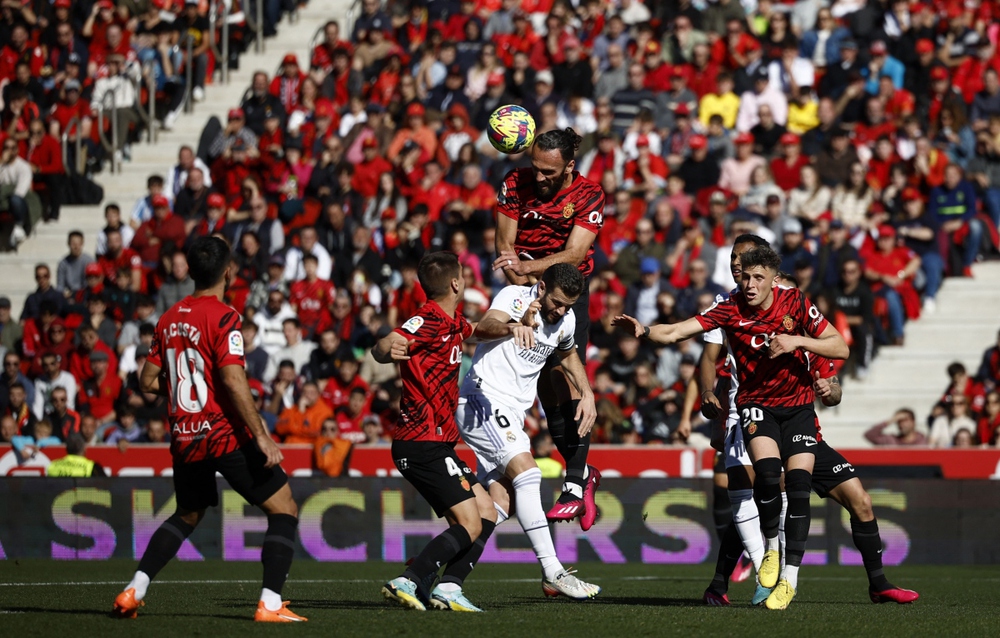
<point x="524" y="337"/>
<point x="684" y="429"/>
<point x="586" y="415"/>
<point x="822" y="386"/>
<point x="783" y="344"/>
<point x="711" y="407"/>
<point x="270" y="449"/>
<point x="528" y="319"/>
<point x="629" y="324"/>
<point x="400" y="350"/>
<point x="509" y="261"/>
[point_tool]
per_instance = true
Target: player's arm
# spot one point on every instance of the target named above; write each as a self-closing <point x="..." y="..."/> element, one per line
<point x="573" y="253"/>
<point x="586" y="412"/>
<point x="829" y="344"/>
<point x="234" y="378"/>
<point x="690" y="398"/>
<point x="829" y="390"/>
<point x="506" y="235"/>
<point x="711" y="407"/>
<point x="149" y="379"/>
<point x="497" y="324"/>
<point x="392" y="348"/>
<point x="663" y="334"/>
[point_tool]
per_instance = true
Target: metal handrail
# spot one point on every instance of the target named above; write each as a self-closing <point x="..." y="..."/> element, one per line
<point x="113" y="148"/>
<point x="213" y="9"/>
<point x="226" y="6"/>
<point x="189" y="75"/>
<point x="74" y="121"/>
<point x="152" y="133"/>
<point x="255" y="20"/>
<point x="317" y="38"/>
<point x="137" y="82"/>
<point x="351" y="17"/>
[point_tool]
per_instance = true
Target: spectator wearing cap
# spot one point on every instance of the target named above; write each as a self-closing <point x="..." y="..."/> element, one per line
<point x="541" y="93"/>
<point x="177" y="285"/>
<point x="835" y="80"/>
<point x="881" y="64"/>
<point x="722" y="102"/>
<point x="629" y="101"/>
<point x="628" y="266"/>
<point x="658" y="71"/>
<point x="698" y="170"/>
<point x="890" y="269"/>
<point x="676" y="146"/>
<point x="763" y="92"/>
<point x="80" y="357"/>
<point x="793" y="248"/>
<point x="236" y="129"/>
<point x="191" y="202"/>
<point x="943" y="94"/>
<point x="101" y="390"/>
<point x="260" y="105"/>
<point x="369" y="171"/>
<point x="953" y="206"/>
<point x="645" y="175"/>
<point x="69" y="273"/>
<point x="641" y="298"/>
<point x="787" y="167"/>
<point x="287" y="85"/>
<point x="62" y="40"/>
<point x="177" y="176"/>
<point x="833" y="164"/>
<point x="986" y="103"/>
<point x="574" y="76"/>
<point x="496" y="96"/>
<point x="415" y="131"/>
<point x="678" y="94"/>
<point x="213" y="221"/>
<point x="735" y="172"/>
<point x="918" y="232"/>
<point x="118" y="82"/>
<point x="160" y="235"/>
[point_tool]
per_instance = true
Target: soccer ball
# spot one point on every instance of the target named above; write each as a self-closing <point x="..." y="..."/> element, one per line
<point x="511" y="129"/>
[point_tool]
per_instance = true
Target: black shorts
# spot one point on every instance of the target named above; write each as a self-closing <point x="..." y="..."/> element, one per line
<point x="432" y="467"/>
<point x="793" y="429"/>
<point x="244" y="471"/>
<point x="831" y="469"/>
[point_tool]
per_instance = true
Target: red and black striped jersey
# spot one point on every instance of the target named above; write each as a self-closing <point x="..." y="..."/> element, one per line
<point x="543" y="227"/>
<point x="783" y="381"/>
<point x="194" y="340"/>
<point x="430" y="377"/>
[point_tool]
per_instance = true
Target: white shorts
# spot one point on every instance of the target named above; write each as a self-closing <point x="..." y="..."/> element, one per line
<point x="495" y="432"/>
<point x="735" y="450"/>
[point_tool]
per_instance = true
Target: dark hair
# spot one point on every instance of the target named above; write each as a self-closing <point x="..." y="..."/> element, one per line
<point x="760" y="256"/>
<point x="566" y="141"/>
<point x="48" y="307"/>
<point x="750" y="238"/>
<point x="566" y="278"/>
<point x="74" y="233"/>
<point x="75" y="444"/>
<point x="148" y="329"/>
<point x="17" y="384"/>
<point x="436" y="271"/>
<point x="208" y="259"/>
<point x="113" y="206"/>
<point x="87" y="327"/>
<point x="360" y="391"/>
<point x="310" y="257"/>
<point x="292" y="320"/>
<point x="956" y="368"/>
<point x="154" y="180"/>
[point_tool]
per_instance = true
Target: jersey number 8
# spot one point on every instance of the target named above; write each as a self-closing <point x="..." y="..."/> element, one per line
<point x="188" y="388"/>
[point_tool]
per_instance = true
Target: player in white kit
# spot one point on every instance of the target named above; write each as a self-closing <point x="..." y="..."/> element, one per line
<point x="523" y="326"/>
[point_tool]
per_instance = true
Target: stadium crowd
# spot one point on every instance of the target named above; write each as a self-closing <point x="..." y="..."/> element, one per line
<point x="861" y="138"/>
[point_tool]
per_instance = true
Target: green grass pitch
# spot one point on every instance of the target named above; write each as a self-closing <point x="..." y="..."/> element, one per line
<point x="49" y="598"/>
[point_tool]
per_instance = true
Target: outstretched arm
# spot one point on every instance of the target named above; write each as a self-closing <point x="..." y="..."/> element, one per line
<point x="663" y="334"/>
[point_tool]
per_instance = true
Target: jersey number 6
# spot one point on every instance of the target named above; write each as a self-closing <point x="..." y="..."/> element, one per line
<point x="188" y="389"/>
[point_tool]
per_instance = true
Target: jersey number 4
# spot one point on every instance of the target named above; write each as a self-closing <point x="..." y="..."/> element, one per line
<point x="453" y="469"/>
<point x="188" y="388"/>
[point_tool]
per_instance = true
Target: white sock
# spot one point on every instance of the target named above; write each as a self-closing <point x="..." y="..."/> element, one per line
<point x="791" y="574"/>
<point x="531" y="516"/>
<point x="575" y="488"/>
<point x="772" y="544"/>
<point x="747" y="521"/>
<point x="449" y="587"/>
<point x="272" y="600"/>
<point x="501" y="515"/>
<point x="781" y="528"/>
<point x="140" y="582"/>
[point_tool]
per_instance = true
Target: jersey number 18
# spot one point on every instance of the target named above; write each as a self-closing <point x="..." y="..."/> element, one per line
<point x="188" y="389"/>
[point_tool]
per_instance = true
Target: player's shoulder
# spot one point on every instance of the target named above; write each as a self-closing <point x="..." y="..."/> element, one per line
<point x="514" y="299"/>
<point x="587" y="191"/>
<point x="426" y="321"/>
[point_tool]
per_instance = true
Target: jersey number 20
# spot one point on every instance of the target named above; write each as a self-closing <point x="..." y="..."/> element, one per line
<point x="188" y="389"/>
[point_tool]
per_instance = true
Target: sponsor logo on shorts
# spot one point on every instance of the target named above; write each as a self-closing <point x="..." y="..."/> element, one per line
<point x="837" y="469"/>
<point x="402" y="464"/>
<point x="804" y="438"/>
<point x="511" y="437"/>
<point x="752" y="428"/>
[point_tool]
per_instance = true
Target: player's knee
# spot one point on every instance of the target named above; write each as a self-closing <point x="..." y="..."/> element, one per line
<point x="487" y="509"/>
<point x="738" y="478"/>
<point x="474" y="527"/>
<point x="860" y="504"/>
<point x="768" y="472"/>
<point x="191" y="518"/>
<point x="798" y="484"/>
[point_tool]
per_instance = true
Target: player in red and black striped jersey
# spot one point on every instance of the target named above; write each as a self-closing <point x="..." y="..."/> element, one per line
<point x="549" y="214"/>
<point x="767" y="326"/>
<point x="197" y="362"/>
<point x="428" y="349"/>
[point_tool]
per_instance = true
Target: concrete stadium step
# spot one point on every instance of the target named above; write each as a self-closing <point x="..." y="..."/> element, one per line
<point x="914" y="376"/>
<point x="48" y="242"/>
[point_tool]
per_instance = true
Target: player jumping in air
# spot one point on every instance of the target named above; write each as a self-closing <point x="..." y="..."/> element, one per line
<point x="767" y="326"/>
<point x="833" y="476"/>
<point x="428" y="348"/>
<point x="196" y="361"/>
<point x="523" y="328"/>
<point x="550" y="214"/>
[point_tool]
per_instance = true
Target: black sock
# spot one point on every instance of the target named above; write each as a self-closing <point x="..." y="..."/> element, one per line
<point x="164" y="544"/>
<point x="460" y="567"/>
<point x="442" y="549"/>
<point x="574" y="450"/>
<point x="722" y="511"/>
<point x="798" y="485"/>
<point x="869" y="543"/>
<point x="278" y="550"/>
<point x="730" y="550"/>
<point x="767" y="494"/>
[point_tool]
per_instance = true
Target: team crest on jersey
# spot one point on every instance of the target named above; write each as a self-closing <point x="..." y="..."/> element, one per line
<point x="568" y="210"/>
<point x="788" y="323"/>
<point x="511" y="437"/>
<point x="752" y="429"/>
<point x="517" y="305"/>
<point x="465" y="483"/>
<point x="413" y="324"/>
<point x="236" y="343"/>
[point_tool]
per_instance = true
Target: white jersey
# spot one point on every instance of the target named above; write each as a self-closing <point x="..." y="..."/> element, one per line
<point x="506" y="373"/>
<point x="735" y="451"/>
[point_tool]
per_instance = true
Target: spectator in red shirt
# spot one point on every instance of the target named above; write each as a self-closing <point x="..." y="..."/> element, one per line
<point x="70" y="106"/>
<point x="351" y="415"/>
<point x="989" y="423"/>
<point x="311" y="296"/>
<point x="45" y="156"/>
<point x="321" y="61"/>
<point x="101" y="391"/>
<point x="285" y="86"/>
<point x="80" y="359"/>
<point x="787" y="169"/>
<point x="117" y="257"/>
<point x="962" y="385"/>
<point x="370" y="170"/>
<point x="338" y="389"/>
<point x="161" y="235"/>
<point x="880" y="165"/>
<point x="20" y="47"/>
<point x="890" y="269"/>
<point x="647" y="174"/>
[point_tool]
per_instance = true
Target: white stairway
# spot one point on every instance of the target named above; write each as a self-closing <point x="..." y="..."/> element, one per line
<point x="48" y="243"/>
<point x="913" y="376"/>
